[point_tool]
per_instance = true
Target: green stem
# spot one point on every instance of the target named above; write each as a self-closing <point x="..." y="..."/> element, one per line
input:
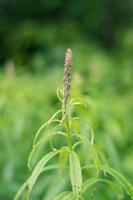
<point x="69" y="139"/>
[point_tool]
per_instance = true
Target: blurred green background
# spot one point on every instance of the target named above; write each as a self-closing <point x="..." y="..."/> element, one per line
<point x="34" y="36"/>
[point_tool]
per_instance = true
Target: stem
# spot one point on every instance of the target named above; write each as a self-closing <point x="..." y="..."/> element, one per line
<point x="68" y="132"/>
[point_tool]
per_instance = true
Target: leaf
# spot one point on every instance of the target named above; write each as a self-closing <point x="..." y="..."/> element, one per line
<point x="62" y="195"/>
<point x="76" y="121"/>
<point x="75" y="174"/>
<point x="117" y="175"/>
<point x="57" y="185"/>
<point x="92" y="150"/>
<point x="121" y="179"/>
<point x="54" y="134"/>
<point x="76" y="144"/>
<point x="35" y="148"/>
<point x="92" y="181"/>
<point x="101" y="155"/>
<point x="74" y="102"/>
<point x="68" y="197"/>
<point x="50" y="167"/>
<point x="63" y="156"/>
<point x="39" y="169"/>
<point x="45" y="125"/>
<point x="22" y="188"/>
<point x="75" y="125"/>
<point x="59" y="93"/>
<point x="91" y="166"/>
<point x="37" y="145"/>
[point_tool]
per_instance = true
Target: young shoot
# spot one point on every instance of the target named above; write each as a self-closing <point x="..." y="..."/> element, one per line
<point x="83" y="161"/>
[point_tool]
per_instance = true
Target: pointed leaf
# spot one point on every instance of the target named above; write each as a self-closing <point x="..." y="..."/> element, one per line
<point x="75" y="174"/>
<point x="92" y="150"/>
<point x="121" y="179"/>
<point x="92" y="181"/>
<point x="62" y="195"/>
<point x="20" y="191"/>
<point x="52" y="119"/>
<point x="39" y="169"/>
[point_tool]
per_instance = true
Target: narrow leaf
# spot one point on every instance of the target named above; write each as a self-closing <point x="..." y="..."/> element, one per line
<point x="121" y="179"/>
<point x="92" y="181"/>
<point x="62" y="195"/>
<point x="52" y="119"/>
<point x="92" y="150"/>
<point x="35" y="147"/>
<point x="75" y="174"/>
<point x="20" y="191"/>
<point x="39" y="169"/>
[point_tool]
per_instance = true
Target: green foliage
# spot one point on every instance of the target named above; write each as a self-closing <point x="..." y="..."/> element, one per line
<point x="74" y="167"/>
<point x="75" y="174"/>
<point x="26" y="102"/>
<point x="34" y="35"/>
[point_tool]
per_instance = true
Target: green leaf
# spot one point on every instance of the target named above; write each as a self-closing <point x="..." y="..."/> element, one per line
<point x="62" y="195"/>
<point x="59" y="93"/>
<point x="39" y="169"/>
<point x="57" y="185"/>
<point x="92" y="150"/>
<point x="52" y="119"/>
<point x="76" y="144"/>
<point x="20" y="191"/>
<point x="92" y="181"/>
<point x="75" y="174"/>
<point x="63" y="156"/>
<point x="101" y="155"/>
<point x="74" y="102"/>
<point x="68" y="197"/>
<point x="54" y="134"/>
<point x="51" y="167"/>
<point x="35" y="147"/>
<point x="121" y="179"/>
<point x="43" y="140"/>
<point x="78" y="119"/>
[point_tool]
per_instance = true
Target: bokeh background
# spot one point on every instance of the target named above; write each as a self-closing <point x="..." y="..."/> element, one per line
<point x="34" y="36"/>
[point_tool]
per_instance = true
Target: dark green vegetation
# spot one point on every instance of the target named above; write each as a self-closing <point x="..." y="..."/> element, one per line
<point x="34" y="34"/>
